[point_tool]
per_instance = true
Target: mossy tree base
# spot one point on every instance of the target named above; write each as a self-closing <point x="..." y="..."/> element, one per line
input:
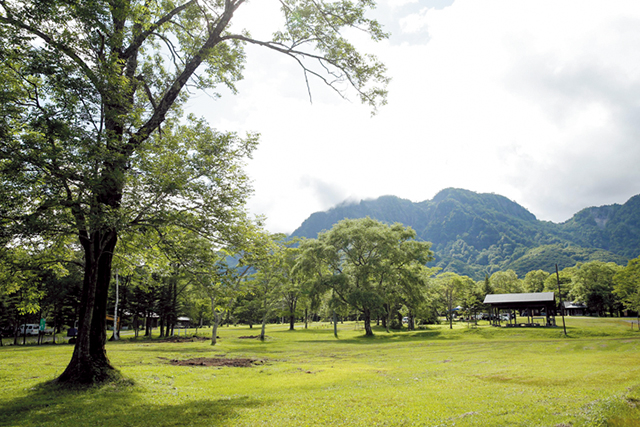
<point x="88" y="372"/>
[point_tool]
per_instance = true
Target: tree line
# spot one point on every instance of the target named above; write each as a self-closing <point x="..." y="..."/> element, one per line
<point x="360" y="269"/>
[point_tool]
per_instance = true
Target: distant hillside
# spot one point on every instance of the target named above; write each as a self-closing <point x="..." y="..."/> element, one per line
<point x="476" y="234"/>
<point x="615" y="228"/>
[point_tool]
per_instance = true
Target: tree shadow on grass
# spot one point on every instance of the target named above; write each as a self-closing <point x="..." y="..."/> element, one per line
<point x="118" y="404"/>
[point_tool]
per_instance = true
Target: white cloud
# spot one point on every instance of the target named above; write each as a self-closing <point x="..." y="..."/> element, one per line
<point x="394" y="4"/>
<point x="535" y="100"/>
<point x="415" y="22"/>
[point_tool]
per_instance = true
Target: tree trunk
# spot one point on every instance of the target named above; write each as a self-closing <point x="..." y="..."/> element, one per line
<point x="89" y="363"/>
<point x="386" y="317"/>
<point x="264" y="325"/>
<point x="135" y="326"/>
<point x="174" y="305"/>
<point x="147" y="325"/>
<point x="162" y="327"/>
<point x="214" y="332"/>
<point x="367" y="322"/>
<point x="216" y="321"/>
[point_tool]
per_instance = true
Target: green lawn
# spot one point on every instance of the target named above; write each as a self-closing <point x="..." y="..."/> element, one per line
<point x="434" y="377"/>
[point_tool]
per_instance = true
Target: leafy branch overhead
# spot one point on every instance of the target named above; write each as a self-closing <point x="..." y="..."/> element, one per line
<point x="93" y="143"/>
<point x="313" y="36"/>
<point x="95" y="84"/>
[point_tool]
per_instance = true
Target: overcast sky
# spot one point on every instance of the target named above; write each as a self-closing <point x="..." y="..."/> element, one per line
<point x="538" y="101"/>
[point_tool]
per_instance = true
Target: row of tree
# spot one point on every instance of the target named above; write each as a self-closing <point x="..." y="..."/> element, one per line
<point x="361" y="269"/>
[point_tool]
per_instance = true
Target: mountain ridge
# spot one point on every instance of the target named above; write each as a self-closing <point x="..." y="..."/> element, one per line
<point x="479" y="233"/>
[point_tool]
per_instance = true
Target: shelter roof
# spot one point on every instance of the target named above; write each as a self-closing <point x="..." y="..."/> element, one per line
<point x="571" y="304"/>
<point x="534" y="297"/>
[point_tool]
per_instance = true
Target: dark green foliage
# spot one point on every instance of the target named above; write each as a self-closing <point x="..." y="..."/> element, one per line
<point x="476" y="234"/>
<point x="368" y="265"/>
<point x="61" y="300"/>
<point x="545" y="257"/>
<point x="395" y="324"/>
<point x="247" y="309"/>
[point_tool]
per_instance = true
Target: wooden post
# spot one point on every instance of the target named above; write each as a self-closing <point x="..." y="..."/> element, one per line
<point x="561" y="303"/>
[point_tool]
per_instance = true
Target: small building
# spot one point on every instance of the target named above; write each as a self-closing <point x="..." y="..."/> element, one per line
<point x="573" y="308"/>
<point x="183" y="322"/>
<point x="541" y="303"/>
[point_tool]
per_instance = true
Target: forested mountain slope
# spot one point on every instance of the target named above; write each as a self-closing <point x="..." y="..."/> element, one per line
<point x="476" y="234"/>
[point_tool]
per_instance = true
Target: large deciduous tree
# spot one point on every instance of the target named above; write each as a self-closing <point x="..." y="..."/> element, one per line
<point x="506" y="282"/>
<point x="627" y="286"/>
<point x="87" y="89"/>
<point x="358" y="259"/>
<point x="593" y="284"/>
<point x="293" y="281"/>
<point x="453" y="288"/>
<point x="534" y="281"/>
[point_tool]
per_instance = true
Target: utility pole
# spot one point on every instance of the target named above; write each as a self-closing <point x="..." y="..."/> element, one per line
<point x="561" y="303"/>
<point x="115" y="336"/>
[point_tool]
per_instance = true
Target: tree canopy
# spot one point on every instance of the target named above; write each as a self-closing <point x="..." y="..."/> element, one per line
<point x="91" y="140"/>
<point x="358" y="259"/>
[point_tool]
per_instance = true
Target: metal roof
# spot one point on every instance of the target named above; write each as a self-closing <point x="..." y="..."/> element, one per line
<point x="520" y="298"/>
<point x="570" y="304"/>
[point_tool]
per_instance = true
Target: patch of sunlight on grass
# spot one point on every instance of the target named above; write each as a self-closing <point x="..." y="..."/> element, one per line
<point x="436" y="376"/>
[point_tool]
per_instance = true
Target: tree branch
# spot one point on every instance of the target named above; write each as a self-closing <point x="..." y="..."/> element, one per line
<point x="53" y="43"/>
<point x="141" y="37"/>
<point x="215" y="37"/>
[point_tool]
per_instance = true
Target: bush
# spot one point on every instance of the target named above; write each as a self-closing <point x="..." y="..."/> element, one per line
<point x="429" y="320"/>
<point x="395" y="324"/>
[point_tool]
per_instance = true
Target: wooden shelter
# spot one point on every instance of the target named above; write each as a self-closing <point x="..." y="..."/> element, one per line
<point x="538" y="305"/>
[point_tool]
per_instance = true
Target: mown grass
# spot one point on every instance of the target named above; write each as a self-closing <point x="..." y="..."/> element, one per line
<point x="481" y="376"/>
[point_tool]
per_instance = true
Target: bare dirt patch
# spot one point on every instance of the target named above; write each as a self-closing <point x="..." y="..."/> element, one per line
<point x="217" y="361"/>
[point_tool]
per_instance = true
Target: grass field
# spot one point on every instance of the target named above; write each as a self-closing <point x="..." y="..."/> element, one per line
<point x="481" y="376"/>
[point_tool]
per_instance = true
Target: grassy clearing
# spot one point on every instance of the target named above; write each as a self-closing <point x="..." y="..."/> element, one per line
<point x="435" y="377"/>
